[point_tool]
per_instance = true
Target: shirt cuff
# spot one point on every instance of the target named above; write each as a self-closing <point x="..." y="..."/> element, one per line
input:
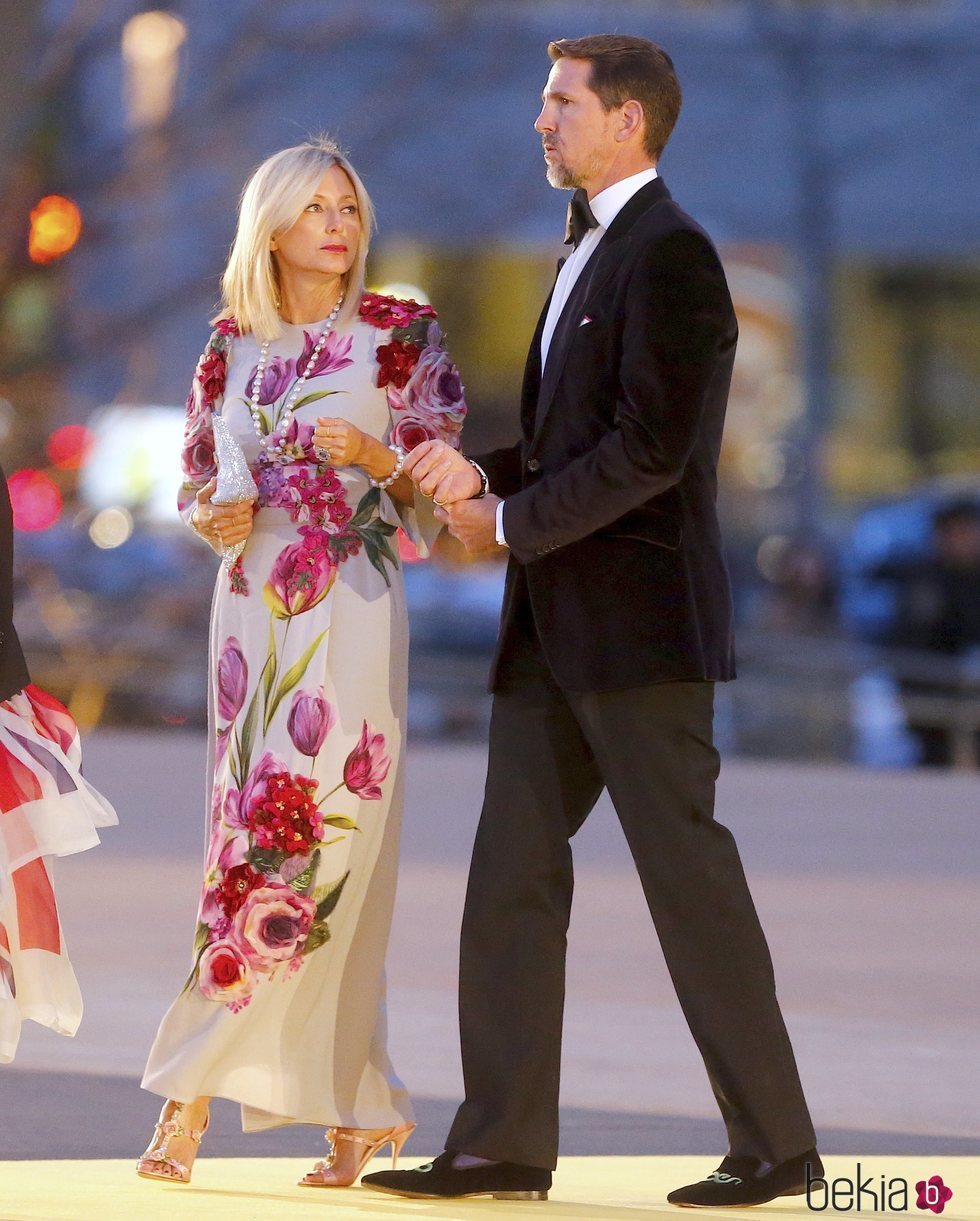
<point x="501" y="541"/>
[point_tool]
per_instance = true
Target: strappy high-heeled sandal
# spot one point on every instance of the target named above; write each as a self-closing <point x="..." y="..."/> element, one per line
<point x="396" y="1137"/>
<point x="158" y="1154"/>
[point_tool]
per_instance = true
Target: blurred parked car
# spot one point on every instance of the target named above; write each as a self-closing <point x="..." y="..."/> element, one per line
<point x="911" y="586"/>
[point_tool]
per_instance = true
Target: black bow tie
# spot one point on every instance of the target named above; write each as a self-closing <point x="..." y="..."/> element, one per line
<point x="580" y="218"/>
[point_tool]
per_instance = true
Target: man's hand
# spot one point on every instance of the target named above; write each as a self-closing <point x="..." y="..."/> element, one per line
<point x="473" y="522"/>
<point x="442" y="473"/>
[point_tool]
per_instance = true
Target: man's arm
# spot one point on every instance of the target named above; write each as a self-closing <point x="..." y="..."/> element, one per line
<point x="679" y="320"/>
<point x="503" y="468"/>
<point x="445" y="475"/>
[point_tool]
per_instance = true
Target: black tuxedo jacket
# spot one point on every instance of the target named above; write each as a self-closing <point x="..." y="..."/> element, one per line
<point x="610" y="515"/>
<point x="13" y="669"/>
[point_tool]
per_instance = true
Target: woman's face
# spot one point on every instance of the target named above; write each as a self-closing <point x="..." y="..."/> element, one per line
<point x="324" y="239"/>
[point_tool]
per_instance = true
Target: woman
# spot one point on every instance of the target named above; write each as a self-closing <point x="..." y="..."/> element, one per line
<point x="47" y="809"/>
<point x="284" y="1010"/>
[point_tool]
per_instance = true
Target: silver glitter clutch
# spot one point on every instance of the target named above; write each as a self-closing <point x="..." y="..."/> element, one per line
<point x="234" y="482"/>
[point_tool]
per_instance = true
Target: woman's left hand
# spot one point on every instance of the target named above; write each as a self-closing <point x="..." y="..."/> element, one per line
<point x="341" y="440"/>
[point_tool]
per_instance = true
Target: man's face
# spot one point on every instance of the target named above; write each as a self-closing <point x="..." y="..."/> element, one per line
<point x="577" y="134"/>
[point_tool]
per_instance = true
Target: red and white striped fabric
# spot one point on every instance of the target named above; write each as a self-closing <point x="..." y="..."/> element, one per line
<point x="47" y="809"/>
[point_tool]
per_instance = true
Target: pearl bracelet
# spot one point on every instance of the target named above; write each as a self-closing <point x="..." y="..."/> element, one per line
<point x="400" y="456"/>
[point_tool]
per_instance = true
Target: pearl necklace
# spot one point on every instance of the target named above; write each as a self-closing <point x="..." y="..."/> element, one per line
<point x="286" y="418"/>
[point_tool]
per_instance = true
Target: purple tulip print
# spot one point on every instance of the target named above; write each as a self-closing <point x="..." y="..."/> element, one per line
<point x="333" y="356"/>
<point x="276" y="377"/>
<point x="311" y="718"/>
<point x="367" y="765"/>
<point x="232" y="679"/>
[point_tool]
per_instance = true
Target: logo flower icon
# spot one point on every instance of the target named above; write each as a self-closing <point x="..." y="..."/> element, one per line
<point x="933" y="1194"/>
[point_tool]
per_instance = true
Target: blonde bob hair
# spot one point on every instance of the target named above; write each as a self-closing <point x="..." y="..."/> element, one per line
<point x="272" y="201"/>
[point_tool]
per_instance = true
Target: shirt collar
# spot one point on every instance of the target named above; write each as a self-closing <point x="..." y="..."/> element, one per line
<point x="610" y="202"/>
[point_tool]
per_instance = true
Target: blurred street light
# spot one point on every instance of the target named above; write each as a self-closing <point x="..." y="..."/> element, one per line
<point x="150" y="43"/>
<point x="35" y="500"/>
<point x="110" y="528"/>
<point x="68" y="446"/>
<point x="56" y="225"/>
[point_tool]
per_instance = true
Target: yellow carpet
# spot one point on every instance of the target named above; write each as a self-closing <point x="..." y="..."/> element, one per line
<point x="587" y="1188"/>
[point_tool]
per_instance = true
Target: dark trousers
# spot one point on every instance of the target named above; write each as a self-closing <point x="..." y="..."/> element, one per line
<point x="551" y="754"/>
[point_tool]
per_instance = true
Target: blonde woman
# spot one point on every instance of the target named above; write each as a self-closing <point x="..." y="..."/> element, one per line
<point x="325" y="387"/>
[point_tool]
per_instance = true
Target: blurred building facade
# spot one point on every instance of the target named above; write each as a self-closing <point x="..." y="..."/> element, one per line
<point x="829" y="148"/>
<point x="151" y="120"/>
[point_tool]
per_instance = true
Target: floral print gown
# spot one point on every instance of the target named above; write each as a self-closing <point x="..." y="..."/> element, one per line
<point x="284" y="1009"/>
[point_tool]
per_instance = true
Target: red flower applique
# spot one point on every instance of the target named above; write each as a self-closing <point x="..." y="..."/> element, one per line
<point x="286" y="818"/>
<point x="396" y="362"/>
<point x="236" y="885"/>
<point x="384" y="312"/>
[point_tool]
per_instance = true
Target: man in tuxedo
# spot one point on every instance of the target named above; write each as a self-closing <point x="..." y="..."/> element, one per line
<point x="616" y="624"/>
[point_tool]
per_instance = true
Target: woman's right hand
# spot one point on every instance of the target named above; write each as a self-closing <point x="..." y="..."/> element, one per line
<point x="221" y="525"/>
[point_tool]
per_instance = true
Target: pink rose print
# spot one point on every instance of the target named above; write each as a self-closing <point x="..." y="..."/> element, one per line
<point x="225" y="974"/>
<point x="411" y="431"/>
<point x="367" y="765"/>
<point x="196" y="412"/>
<point x="273" y="922"/>
<point x="232" y="679"/>
<point x="333" y="355"/>
<point x="211" y="374"/>
<point x="301" y="578"/>
<point x="311" y="718"/>
<point x="435" y="390"/>
<point x="933" y="1194"/>
<point x="197" y="457"/>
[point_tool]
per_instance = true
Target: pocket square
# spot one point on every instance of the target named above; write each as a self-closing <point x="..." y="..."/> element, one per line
<point x="586" y="319"/>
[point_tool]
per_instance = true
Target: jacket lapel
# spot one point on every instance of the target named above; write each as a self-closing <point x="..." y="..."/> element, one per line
<point x="531" y="386"/>
<point x="605" y="259"/>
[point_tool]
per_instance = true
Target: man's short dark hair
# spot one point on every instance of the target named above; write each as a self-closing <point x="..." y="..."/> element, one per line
<point x="629" y="69"/>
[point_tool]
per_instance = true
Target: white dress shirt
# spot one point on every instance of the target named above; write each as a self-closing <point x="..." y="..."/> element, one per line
<point x="605" y="206"/>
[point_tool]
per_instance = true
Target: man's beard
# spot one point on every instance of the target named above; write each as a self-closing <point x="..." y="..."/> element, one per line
<point x="564" y="177"/>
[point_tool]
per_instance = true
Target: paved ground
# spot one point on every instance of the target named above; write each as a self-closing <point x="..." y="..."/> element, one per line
<point x="867" y="884"/>
<point x="585" y="1189"/>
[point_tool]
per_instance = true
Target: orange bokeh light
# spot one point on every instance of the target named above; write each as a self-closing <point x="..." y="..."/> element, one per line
<point x="68" y="447"/>
<point x="56" y="225"/>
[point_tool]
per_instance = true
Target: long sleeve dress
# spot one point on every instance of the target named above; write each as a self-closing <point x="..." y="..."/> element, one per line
<point x="284" y="1010"/>
<point x="47" y="809"/>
